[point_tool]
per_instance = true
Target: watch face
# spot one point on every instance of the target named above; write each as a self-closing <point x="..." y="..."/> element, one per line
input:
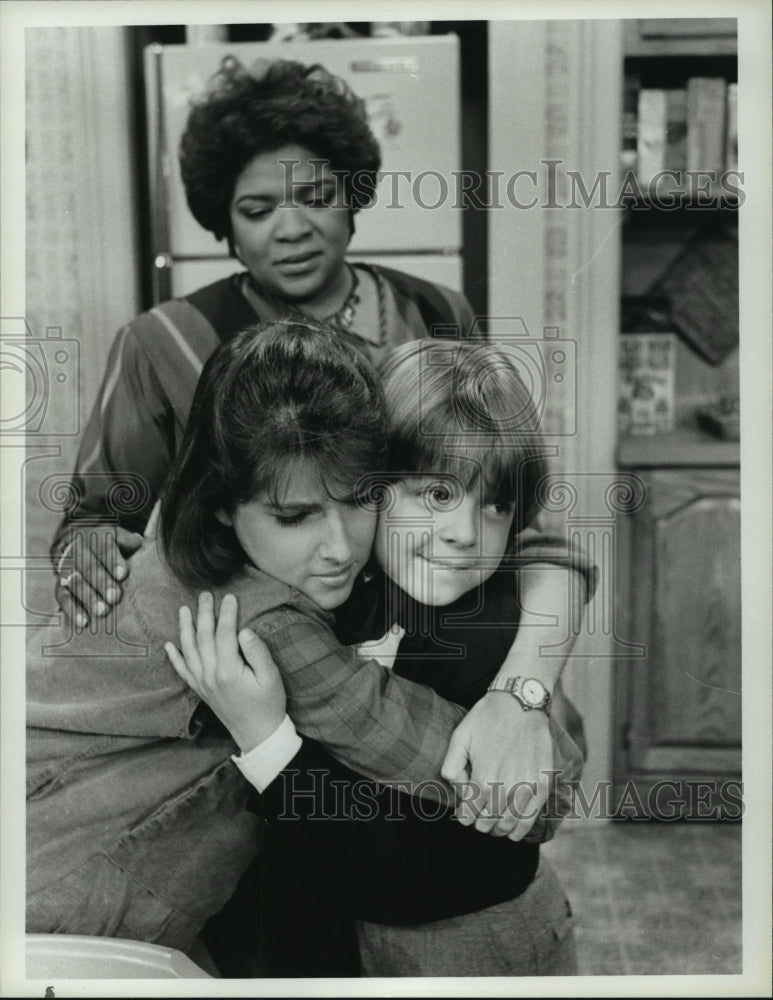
<point x="533" y="691"/>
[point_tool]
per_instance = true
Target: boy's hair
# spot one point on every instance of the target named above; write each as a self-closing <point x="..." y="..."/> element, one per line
<point x="246" y="113"/>
<point x="270" y="396"/>
<point x="460" y="408"/>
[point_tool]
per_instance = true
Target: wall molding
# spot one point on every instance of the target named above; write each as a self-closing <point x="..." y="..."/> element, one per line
<point x="555" y="89"/>
<point x="82" y="268"/>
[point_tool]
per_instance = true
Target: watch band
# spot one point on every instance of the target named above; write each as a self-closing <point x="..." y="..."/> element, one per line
<point x="530" y="692"/>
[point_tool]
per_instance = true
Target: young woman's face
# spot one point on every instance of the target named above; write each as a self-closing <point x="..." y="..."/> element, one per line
<point x="437" y="541"/>
<point x="290" y="226"/>
<point x="309" y="541"/>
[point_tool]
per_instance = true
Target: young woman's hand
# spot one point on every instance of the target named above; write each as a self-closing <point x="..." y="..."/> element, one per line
<point x="90" y="568"/>
<point x="244" y="689"/>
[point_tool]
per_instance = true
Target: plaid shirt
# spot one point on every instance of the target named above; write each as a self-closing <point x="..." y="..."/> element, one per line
<point x="389" y="730"/>
<point x="116" y="681"/>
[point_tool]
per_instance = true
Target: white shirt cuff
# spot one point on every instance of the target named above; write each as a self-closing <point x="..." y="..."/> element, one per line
<point x="268" y="759"/>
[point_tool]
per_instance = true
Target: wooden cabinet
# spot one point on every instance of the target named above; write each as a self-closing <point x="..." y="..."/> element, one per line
<point x="680" y="705"/>
<point x="678" y="571"/>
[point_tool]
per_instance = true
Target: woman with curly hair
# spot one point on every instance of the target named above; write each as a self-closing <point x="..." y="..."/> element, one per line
<point x="278" y="161"/>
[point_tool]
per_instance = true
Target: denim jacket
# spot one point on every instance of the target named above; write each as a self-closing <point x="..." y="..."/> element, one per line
<point x="136" y="817"/>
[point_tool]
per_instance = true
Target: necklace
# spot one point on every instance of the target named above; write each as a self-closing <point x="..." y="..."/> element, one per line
<point x="342" y="318"/>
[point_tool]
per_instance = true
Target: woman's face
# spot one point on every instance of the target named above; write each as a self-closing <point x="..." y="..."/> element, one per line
<point x="290" y="226"/>
<point x="437" y="540"/>
<point x="307" y="540"/>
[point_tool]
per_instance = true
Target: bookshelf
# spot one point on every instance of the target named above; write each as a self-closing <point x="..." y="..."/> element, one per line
<point x="680" y="244"/>
<point x="695" y="36"/>
<point x="678" y="710"/>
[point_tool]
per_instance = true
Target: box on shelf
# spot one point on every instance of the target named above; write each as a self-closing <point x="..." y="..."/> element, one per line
<point x="646" y="396"/>
<point x="722" y="418"/>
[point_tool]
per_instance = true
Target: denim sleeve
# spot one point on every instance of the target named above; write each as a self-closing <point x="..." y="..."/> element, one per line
<point x="105" y="681"/>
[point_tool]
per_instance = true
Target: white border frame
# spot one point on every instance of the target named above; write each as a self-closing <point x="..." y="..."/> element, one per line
<point x="756" y="446"/>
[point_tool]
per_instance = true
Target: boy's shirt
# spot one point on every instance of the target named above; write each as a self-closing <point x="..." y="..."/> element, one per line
<point x="396" y="859"/>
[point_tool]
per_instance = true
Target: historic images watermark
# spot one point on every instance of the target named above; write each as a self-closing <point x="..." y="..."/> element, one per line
<point x="316" y="795"/>
<point x="552" y="185"/>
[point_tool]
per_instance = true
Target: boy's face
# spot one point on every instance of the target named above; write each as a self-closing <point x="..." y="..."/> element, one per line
<point x="437" y="540"/>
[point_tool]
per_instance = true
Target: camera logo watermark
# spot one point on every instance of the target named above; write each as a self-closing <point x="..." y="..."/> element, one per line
<point x="546" y="363"/>
<point x="41" y="381"/>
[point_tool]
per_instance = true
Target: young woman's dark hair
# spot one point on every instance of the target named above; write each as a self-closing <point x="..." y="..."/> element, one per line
<point x="461" y="408"/>
<point x="273" y="394"/>
<point x="246" y="113"/>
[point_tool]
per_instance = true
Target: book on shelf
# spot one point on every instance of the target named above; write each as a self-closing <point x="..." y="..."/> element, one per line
<point x="651" y="138"/>
<point x="731" y="134"/>
<point x="662" y="133"/>
<point x="631" y="86"/>
<point x="692" y="128"/>
<point x="706" y="117"/>
<point x="676" y="129"/>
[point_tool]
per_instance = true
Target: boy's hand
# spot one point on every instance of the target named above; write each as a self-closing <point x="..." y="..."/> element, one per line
<point x="384" y="649"/>
<point x="248" y="697"/>
<point x="507" y="754"/>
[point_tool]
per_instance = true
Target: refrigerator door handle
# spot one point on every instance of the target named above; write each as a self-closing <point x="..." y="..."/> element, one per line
<point x="160" y="169"/>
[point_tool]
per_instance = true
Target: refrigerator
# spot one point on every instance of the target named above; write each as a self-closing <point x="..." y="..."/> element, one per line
<point x="411" y="89"/>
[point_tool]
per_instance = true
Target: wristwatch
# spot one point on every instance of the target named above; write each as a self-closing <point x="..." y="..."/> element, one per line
<point x="530" y="692"/>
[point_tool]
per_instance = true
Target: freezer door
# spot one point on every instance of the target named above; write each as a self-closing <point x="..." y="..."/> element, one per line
<point x="411" y="90"/>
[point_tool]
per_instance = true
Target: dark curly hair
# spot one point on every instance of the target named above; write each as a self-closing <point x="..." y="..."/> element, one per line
<point x="245" y="113"/>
